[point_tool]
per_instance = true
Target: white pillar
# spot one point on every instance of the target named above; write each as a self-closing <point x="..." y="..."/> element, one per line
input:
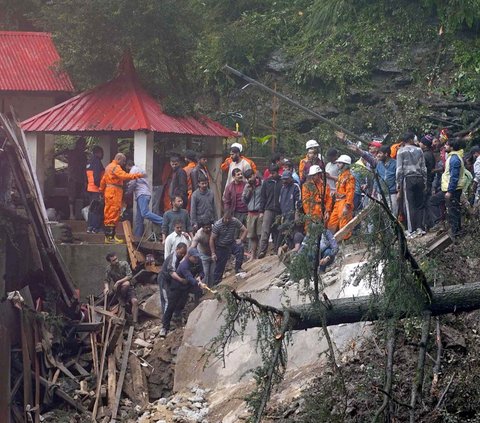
<point x="109" y="146"/>
<point x="36" y="152"/>
<point x="143" y="157"/>
<point x="143" y="152"/>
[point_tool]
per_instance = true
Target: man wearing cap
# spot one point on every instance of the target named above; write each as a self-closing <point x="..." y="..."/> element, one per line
<point x="236" y="160"/>
<point x="475" y="153"/>
<point x="344" y="197"/>
<point x="190" y="272"/>
<point x="316" y="197"/>
<point x="411" y="182"/>
<point x="288" y="165"/>
<point x="312" y="158"/>
<point x="386" y="171"/>
<point x="270" y="209"/>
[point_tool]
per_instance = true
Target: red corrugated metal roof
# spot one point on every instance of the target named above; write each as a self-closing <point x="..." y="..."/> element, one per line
<point x="28" y="62"/>
<point x="120" y="105"/>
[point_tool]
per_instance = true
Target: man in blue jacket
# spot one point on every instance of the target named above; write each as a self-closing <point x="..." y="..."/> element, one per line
<point x="386" y="171"/>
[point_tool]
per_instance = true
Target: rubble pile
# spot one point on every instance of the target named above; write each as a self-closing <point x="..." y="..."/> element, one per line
<point x="191" y="407"/>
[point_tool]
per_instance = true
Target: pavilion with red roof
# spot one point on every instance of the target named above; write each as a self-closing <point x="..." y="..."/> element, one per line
<point x="122" y="108"/>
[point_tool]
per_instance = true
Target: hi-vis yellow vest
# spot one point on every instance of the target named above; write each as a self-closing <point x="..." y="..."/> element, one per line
<point x="446" y="174"/>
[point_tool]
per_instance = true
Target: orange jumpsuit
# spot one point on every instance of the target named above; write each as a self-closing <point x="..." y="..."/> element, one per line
<point x="226" y="163"/>
<point x="313" y="194"/>
<point x="188" y="170"/>
<point x="112" y="188"/>
<point x="345" y="191"/>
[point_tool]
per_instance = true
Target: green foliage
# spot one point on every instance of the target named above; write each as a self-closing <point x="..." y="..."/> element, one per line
<point x="345" y="52"/>
<point x="245" y="39"/>
<point x="466" y="57"/>
<point x="456" y="14"/>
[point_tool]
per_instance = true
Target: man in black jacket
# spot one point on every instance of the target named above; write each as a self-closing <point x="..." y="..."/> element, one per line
<point x="178" y="184"/>
<point x="95" y="171"/>
<point x="270" y="208"/>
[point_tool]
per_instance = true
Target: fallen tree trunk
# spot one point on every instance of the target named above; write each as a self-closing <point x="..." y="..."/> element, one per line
<point x="448" y="299"/>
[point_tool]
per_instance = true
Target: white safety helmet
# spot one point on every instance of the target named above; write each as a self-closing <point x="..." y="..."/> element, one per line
<point x="238" y="145"/>
<point x="311" y="144"/>
<point x="314" y="169"/>
<point x="344" y="159"/>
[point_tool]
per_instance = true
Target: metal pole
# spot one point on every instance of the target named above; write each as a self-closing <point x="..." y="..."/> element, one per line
<point x="293" y="103"/>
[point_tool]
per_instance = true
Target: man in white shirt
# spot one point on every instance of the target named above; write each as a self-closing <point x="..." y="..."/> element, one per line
<point x="331" y="169"/>
<point x="175" y="238"/>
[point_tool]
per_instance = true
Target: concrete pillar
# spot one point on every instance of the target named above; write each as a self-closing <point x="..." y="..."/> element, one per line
<point x="143" y="157"/>
<point x="109" y="146"/>
<point x="36" y="152"/>
<point x="143" y="152"/>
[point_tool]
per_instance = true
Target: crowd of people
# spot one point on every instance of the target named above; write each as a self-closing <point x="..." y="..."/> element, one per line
<point x="423" y="180"/>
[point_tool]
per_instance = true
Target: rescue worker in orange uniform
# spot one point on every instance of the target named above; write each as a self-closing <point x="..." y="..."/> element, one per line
<point x="191" y="159"/>
<point x="344" y="197"/>
<point x="226" y="163"/>
<point x="316" y="197"/>
<point x="112" y="188"/>
<point x="311" y="158"/>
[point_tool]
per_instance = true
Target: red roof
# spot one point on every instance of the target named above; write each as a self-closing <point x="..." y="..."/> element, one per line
<point x="120" y="105"/>
<point x="28" y="62"/>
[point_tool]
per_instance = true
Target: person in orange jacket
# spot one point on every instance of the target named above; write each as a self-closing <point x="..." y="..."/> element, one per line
<point x="311" y="158"/>
<point x="226" y="163"/>
<point x="316" y="198"/>
<point x="191" y="160"/>
<point x="345" y="191"/>
<point x="112" y="188"/>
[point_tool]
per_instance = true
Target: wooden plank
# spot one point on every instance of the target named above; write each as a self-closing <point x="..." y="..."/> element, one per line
<point x="139" y="381"/>
<point x="100" y="375"/>
<point x="112" y="380"/>
<point x="27" y="366"/>
<point x="438" y="244"/>
<point x="5" y="365"/>
<point x="121" y="377"/>
<point x="340" y="234"/>
<point x="136" y="257"/>
<point x="115" y="335"/>
<point x="63" y="395"/>
<point x="29" y="189"/>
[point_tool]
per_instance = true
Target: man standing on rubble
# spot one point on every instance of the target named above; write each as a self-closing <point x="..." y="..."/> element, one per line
<point x="191" y="272"/>
<point x="112" y="188"/>
<point x="223" y="244"/>
<point x="117" y="281"/>
<point x="411" y="182"/>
